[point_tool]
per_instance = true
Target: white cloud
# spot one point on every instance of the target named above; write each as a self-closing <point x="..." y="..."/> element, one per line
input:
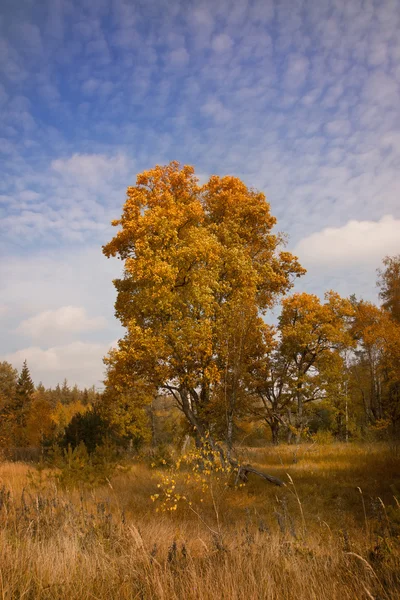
<point x="222" y="42"/>
<point x="91" y="169"/>
<point x="382" y="90"/>
<point x="32" y="39"/>
<point x="81" y="362"/>
<point x="378" y="54"/>
<point x="179" y="57"/>
<point x="296" y="72"/>
<point x="40" y="284"/>
<point x="3" y="310"/>
<point x="311" y="97"/>
<point x="304" y="108"/>
<point x="339" y="127"/>
<point x="90" y="86"/>
<point x="67" y="319"/>
<point x="201" y="17"/>
<point x="215" y="109"/>
<point x="29" y="196"/>
<point x="356" y="243"/>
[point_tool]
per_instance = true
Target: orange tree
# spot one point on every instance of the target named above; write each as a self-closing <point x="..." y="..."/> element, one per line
<point x="306" y="354"/>
<point x="201" y="268"/>
<point x="376" y="369"/>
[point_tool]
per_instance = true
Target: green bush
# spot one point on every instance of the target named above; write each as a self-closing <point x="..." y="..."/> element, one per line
<point x="76" y="467"/>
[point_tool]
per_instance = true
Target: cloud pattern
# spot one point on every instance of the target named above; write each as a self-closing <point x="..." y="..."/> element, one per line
<point x="299" y="99"/>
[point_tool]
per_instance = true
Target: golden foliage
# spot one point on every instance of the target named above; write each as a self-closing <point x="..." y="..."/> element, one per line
<point x="199" y="262"/>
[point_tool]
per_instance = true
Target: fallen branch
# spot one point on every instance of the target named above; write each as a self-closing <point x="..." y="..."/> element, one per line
<point x="244" y="470"/>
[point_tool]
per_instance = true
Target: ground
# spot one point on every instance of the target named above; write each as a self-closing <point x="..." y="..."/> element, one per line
<point x="332" y="532"/>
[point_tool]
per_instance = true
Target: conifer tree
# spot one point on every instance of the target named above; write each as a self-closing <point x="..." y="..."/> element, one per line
<point x="18" y="409"/>
<point x="23" y="394"/>
<point x="65" y="392"/>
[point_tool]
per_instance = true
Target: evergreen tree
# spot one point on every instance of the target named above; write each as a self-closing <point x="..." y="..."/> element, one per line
<point x="75" y="394"/>
<point x="85" y="397"/>
<point x="90" y="427"/>
<point x="57" y="393"/>
<point x="40" y="388"/>
<point x="19" y="407"/>
<point x="23" y="394"/>
<point x="65" y="393"/>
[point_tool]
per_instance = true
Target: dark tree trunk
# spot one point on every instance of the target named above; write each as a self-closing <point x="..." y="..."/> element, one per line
<point x="289" y="438"/>
<point x="275" y="427"/>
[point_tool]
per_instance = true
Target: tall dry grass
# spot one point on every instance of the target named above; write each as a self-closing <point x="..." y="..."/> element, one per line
<point x="333" y="533"/>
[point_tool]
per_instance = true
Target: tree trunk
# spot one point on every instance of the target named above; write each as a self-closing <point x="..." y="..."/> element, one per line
<point x="244" y="470"/>
<point x="339" y="426"/>
<point x="289" y="438"/>
<point x="299" y="419"/>
<point x="203" y="437"/>
<point x="229" y="433"/>
<point x="275" y="426"/>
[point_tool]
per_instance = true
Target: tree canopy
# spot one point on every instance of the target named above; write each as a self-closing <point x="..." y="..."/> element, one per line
<point x="202" y="266"/>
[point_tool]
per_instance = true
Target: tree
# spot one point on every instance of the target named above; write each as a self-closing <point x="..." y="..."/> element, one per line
<point x="65" y="392"/>
<point x="126" y="415"/>
<point x="196" y="259"/>
<point x="389" y="284"/>
<point x="377" y="363"/>
<point x="312" y="334"/>
<point x="39" y="423"/>
<point x="18" y="408"/>
<point x="8" y="384"/>
<point x="336" y="395"/>
<point x="23" y="394"/>
<point x="368" y="356"/>
<point x="24" y="389"/>
<point x="63" y="413"/>
<point x="306" y="354"/>
<point x="269" y="388"/>
<point x="89" y="428"/>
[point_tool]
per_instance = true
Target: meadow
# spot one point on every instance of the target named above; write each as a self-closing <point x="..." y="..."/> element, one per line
<point x="333" y="532"/>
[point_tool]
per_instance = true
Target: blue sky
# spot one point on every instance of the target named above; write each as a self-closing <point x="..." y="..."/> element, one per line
<point x="299" y="98"/>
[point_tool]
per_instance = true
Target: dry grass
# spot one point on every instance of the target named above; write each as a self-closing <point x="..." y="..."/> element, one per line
<point x="321" y="538"/>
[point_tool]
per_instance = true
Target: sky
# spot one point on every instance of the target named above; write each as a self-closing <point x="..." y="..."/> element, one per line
<point x="299" y="98"/>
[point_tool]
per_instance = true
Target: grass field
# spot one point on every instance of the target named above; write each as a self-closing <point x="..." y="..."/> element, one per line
<point x="331" y="533"/>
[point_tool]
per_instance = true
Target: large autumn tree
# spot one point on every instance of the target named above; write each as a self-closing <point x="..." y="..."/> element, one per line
<point x="201" y="268"/>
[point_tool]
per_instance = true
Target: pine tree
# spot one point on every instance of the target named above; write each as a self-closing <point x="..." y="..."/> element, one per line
<point x="85" y="397"/>
<point x="65" y="393"/>
<point x="23" y="397"/>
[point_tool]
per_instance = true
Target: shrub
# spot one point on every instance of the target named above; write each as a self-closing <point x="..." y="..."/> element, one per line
<point x="76" y="467"/>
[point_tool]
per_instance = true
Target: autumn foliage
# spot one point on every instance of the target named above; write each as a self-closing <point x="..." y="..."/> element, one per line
<point x="201" y="268"/>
